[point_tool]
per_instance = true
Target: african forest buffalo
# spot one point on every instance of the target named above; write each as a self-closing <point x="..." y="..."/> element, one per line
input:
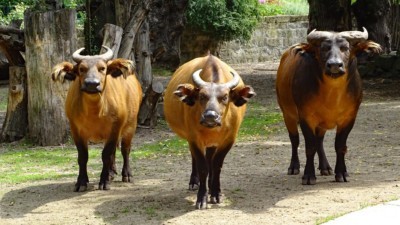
<point x="318" y="86"/>
<point x="204" y="103"/>
<point x="102" y="105"/>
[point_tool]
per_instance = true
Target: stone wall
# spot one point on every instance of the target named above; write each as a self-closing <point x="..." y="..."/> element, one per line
<point x="272" y="36"/>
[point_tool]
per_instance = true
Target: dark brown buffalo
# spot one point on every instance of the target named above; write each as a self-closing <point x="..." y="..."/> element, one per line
<point x="102" y="105"/>
<point x="318" y="86"/>
<point x="204" y="103"/>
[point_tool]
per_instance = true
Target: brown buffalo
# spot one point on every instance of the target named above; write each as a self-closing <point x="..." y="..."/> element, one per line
<point x="318" y="86"/>
<point x="102" y="105"/>
<point x="204" y="103"/>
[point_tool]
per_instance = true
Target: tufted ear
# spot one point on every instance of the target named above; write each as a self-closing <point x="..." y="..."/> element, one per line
<point x="187" y="93"/>
<point x="118" y="67"/>
<point x="241" y="96"/>
<point x="369" y="47"/>
<point x="64" y="71"/>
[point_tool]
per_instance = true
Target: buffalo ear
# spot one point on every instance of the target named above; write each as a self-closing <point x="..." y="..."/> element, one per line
<point x="187" y="93"/>
<point x="118" y="67"/>
<point x="64" y="71"/>
<point x="242" y="96"/>
<point x="370" y="47"/>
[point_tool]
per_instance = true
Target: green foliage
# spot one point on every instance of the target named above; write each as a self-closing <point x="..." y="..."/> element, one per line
<point x="284" y="7"/>
<point x="224" y="20"/>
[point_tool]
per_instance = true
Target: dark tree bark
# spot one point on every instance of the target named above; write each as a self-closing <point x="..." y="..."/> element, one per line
<point x="329" y="15"/>
<point x="131" y="28"/>
<point x="11" y="44"/>
<point x="46" y="45"/>
<point x="373" y="15"/>
<point x="167" y="23"/>
<point x="148" y="110"/>
<point x="394" y="23"/>
<point x="16" y="120"/>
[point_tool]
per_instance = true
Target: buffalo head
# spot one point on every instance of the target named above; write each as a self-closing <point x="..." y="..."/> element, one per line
<point x="213" y="98"/>
<point x="334" y="50"/>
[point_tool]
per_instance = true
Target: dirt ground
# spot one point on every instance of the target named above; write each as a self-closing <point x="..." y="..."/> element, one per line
<point x="253" y="180"/>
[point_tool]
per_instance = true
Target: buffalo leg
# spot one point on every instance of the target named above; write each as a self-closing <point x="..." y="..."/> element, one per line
<point x="324" y="167"/>
<point x="83" y="156"/>
<point x="125" y="151"/>
<point x="294" y="167"/>
<point x="341" y="150"/>
<point x="209" y="157"/>
<point x="108" y="152"/>
<point x="202" y="169"/>
<point x="216" y="168"/>
<point x="310" y="142"/>
<point x="194" y="181"/>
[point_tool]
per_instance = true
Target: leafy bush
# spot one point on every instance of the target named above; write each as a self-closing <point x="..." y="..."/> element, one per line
<point x="284" y="7"/>
<point x="225" y="20"/>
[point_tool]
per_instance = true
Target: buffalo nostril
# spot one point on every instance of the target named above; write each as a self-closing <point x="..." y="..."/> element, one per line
<point x="211" y="115"/>
<point x="92" y="82"/>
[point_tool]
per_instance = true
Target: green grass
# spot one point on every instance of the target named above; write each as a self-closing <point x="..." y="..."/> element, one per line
<point x="258" y="122"/>
<point x="160" y="71"/>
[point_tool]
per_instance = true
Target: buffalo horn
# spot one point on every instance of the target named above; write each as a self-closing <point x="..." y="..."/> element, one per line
<point x="197" y="79"/>
<point x="77" y="57"/>
<point x="315" y="37"/>
<point x="234" y="82"/>
<point x="355" y="36"/>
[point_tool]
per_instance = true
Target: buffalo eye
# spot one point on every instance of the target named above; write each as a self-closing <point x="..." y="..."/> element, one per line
<point x="102" y="69"/>
<point x="203" y="97"/>
<point x="344" y="48"/>
<point x="82" y="70"/>
<point x="224" y="98"/>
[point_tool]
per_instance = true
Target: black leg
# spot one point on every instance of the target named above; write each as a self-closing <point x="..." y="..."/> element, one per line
<point x="194" y="181"/>
<point x="108" y="152"/>
<point x="324" y="167"/>
<point x="125" y="151"/>
<point x="202" y="169"/>
<point x="217" y="163"/>
<point x="83" y="156"/>
<point x="294" y="167"/>
<point x="341" y="150"/>
<point x="310" y="142"/>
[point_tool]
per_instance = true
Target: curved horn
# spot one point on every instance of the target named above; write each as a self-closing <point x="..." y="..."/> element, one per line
<point x="197" y="79"/>
<point x="77" y="57"/>
<point x="234" y="82"/>
<point x="355" y="36"/>
<point x="107" y="55"/>
<point x="315" y="37"/>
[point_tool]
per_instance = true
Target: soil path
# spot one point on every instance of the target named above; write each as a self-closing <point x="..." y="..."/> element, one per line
<point x="254" y="181"/>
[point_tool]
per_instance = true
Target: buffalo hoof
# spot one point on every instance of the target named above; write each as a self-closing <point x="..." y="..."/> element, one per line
<point x="126" y="179"/>
<point x="193" y="187"/>
<point x="216" y="199"/>
<point x="80" y="187"/>
<point x="341" y="177"/>
<point x="308" y="180"/>
<point x="201" y="203"/>
<point x="104" y="186"/>
<point x="293" y="171"/>
<point x="326" y="172"/>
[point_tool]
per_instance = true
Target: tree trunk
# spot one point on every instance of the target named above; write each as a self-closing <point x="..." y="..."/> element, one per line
<point x="167" y="23"/>
<point x="329" y="15"/>
<point x="112" y="36"/>
<point x="138" y="15"/>
<point x="142" y="50"/>
<point x="16" y="121"/>
<point x="148" y="110"/>
<point x="373" y="15"/>
<point x="46" y="45"/>
<point x="395" y="25"/>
